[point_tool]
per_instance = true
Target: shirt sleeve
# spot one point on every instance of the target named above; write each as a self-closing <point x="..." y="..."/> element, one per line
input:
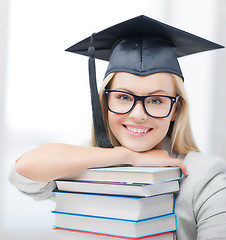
<point x="37" y="190"/>
<point x="210" y="203"/>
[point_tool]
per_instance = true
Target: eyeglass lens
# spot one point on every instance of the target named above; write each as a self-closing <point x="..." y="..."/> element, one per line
<point x="155" y="105"/>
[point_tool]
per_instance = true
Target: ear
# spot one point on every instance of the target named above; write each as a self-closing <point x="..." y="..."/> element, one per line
<point x="174" y="112"/>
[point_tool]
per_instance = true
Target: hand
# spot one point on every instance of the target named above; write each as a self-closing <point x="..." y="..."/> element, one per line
<point x="157" y="158"/>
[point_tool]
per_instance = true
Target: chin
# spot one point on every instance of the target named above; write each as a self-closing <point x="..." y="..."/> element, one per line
<point x="137" y="148"/>
<point x="141" y="146"/>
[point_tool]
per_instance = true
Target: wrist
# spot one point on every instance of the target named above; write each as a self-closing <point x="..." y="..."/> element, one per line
<point x="106" y="157"/>
<point x="124" y="155"/>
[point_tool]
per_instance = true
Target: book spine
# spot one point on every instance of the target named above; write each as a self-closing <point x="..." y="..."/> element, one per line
<point x="173" y="203"/>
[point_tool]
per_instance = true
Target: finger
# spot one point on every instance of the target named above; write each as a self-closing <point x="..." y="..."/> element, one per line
<point x="182" y="166"/>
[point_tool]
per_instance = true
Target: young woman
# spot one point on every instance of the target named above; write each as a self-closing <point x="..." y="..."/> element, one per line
<point x="145" y="113"/>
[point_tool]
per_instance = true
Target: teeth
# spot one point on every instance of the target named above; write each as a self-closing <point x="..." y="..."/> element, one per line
<point x="137" y="130"/>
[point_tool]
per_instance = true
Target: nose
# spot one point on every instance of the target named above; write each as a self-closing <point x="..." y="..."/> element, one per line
<point x="138" y="113"/>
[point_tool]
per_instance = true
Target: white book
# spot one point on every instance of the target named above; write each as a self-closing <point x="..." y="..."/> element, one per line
<point x="118" y="188"/>
<point x="113" y="226"/>
<point x="68" y="234"/>
<point x="128" y="174"/>
<point x="115" y="206"/>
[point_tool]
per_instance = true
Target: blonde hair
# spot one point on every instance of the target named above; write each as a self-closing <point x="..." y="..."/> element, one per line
<point x="179" y="132"/>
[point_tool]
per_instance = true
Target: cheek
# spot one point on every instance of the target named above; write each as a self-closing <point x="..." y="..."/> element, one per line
<point x="114" y="120"/>
<point x="162" y="125"/>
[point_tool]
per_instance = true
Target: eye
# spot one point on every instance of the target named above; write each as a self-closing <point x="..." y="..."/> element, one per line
<point x="154" y="100"/>
<point x="124" y="97"/>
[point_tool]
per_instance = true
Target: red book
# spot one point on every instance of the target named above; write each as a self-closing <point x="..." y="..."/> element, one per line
<point x="68" y="234"/>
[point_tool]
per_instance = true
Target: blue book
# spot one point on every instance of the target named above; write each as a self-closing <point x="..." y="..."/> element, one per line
<point x="115" y="206"/>
<point x="117" y="227"/>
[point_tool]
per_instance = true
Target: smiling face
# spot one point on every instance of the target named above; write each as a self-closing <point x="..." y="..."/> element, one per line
<point x="136" y="130"/>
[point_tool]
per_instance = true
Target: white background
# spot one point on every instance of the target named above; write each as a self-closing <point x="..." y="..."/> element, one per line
<point x="45" y="92"/>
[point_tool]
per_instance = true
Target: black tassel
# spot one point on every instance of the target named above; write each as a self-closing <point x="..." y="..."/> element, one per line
<point x="98" y="122"/>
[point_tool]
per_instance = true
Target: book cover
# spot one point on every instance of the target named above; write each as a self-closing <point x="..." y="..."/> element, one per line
<point x="113" y="226"/>
<point x="129" y="174"/>
<point x="69" y="234"/>
<point x="115" y="206"/>
<point x="118" y="188"/>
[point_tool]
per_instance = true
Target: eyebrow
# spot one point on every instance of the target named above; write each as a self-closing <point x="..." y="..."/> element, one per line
<point x="150" y="93"/>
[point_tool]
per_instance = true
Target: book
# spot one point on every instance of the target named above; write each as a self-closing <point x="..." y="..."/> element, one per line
<point x="118" y="188"/>
<point x="114" y="226"/>
<point x="128" y="174"/>
<point x="115" y="206"/>
<point x="68" y="234"/>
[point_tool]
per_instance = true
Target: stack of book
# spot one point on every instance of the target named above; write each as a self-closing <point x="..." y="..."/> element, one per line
<point x="117" y="203"/>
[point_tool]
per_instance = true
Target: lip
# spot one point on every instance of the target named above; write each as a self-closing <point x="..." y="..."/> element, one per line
<point x="137" y="130"/>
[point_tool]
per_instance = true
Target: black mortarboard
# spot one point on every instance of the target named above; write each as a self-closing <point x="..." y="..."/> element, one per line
<point x="140" y="46"/>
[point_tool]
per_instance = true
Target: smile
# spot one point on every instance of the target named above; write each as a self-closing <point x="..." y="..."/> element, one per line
<point x="137" y="130"/>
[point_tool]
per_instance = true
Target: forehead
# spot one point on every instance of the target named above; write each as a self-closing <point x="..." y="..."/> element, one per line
<point x="160" y="82"/>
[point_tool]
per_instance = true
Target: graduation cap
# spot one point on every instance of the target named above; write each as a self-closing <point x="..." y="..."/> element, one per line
<point x="141" y="46"/>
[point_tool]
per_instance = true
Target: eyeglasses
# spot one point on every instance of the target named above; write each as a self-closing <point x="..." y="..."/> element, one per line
<point x="156" y="106"/>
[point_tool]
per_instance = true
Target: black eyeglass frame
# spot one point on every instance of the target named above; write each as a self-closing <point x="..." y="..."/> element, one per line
<point x="142" y="99"/>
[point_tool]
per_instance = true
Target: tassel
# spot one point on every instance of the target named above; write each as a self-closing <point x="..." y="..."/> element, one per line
<point x="98" y="122"/>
